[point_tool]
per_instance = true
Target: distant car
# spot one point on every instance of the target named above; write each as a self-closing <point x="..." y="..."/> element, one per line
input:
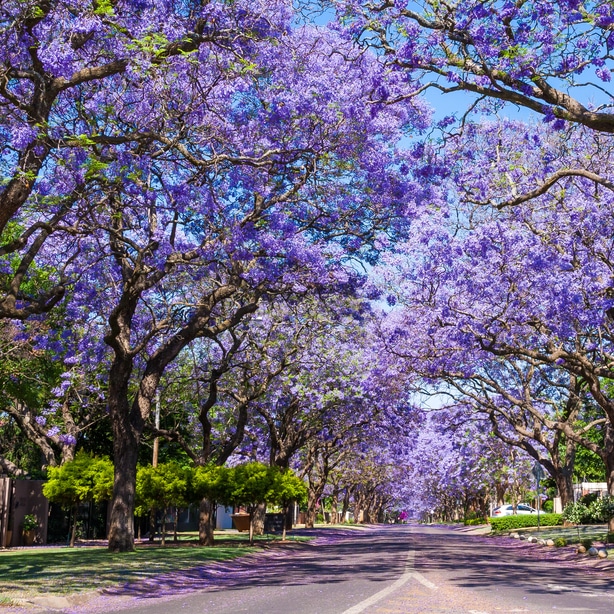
<point x="508" y="510"/>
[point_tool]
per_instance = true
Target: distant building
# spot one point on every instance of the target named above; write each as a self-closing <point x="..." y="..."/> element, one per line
<point x="586" y="488"/>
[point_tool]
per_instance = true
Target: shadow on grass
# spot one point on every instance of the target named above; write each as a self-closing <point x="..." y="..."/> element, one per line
<point x="83" y="569"/>
<point x="60" y="571"/>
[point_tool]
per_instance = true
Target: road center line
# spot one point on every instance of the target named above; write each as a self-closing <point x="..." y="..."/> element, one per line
<point x="408" y="574"/>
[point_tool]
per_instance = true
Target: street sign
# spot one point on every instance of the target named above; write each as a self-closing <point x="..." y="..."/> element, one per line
<point x="538" y="471"/>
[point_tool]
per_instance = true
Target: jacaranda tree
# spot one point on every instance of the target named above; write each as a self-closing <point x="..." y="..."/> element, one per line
<point x="510" y="306"/>
<point x="548" y="56"/>
<point x="170" y="177"/>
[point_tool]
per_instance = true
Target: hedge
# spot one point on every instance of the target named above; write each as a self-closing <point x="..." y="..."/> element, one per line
<point x="471" y="522"/>
<point x="510" y="523"/>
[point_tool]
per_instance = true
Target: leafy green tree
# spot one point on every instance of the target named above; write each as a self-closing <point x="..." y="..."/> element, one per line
<point x="210" y="485"/>
<point x="255" y="483"/>
<point x="286" y="488"/>
<point x="86" y="478"/>
<point x="164" y="486"/>
<point x="250" y="484"/>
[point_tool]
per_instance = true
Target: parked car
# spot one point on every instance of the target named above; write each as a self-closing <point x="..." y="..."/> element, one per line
<point x="508" y="510"/>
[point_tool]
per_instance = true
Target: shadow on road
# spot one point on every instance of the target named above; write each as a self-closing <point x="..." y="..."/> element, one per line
<point x="379" y="555"/>
<point x="335" y="556"/>
<point x="484" y="563"/>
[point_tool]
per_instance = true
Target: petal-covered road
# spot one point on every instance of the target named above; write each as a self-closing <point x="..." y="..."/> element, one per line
<point x="394" y="569"/>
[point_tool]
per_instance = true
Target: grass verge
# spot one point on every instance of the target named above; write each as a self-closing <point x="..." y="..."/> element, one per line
<point x="31" y="573"/>
<point x="573" y="535"/>
<point x="27" y="573"/>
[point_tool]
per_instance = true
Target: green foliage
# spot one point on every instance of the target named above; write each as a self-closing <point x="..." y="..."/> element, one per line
<point x="587" y="543"/>
<point x="609" y="538"/>
<point x="210" y="482"/>
<point x="104" y="8"/>
<point x="163" y="486"/>
<point x="25" y="374"/>
<point x="286" y="487"/>
<point x="471" y="522"/>
<point x="249" y="484"/>
<point x="591" y="509"/>
<point x="85" y="478"/>
<point x="548" y="506"/>
<point x="30" y="522"/>
<point x="576" y="513"/>
<point x="602" y="509"/>
<point x="510" y="523"/>
<point x="587" y="465"/>
<point x="589" y="498"/>
<point x="252" y="483"/>
<point x="560" y="542"/>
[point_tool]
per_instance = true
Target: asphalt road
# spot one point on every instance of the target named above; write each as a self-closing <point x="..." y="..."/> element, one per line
<point x="394" y="569"/>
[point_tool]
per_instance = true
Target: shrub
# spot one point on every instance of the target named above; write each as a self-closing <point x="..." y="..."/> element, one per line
<point x="548" y="506"/>
<point x="609" y="539"/>
<point x="587" y="543"/>
<point x="472" y="515"/>
<point x="511" y="523"/>
<point x="30" y="522"/>
<point x="601" y="509"/>
<point x="470" y="522"/>
<point x="560" y="542"/>
<point x="589" y="498"/>
<point x="576" y="513"/>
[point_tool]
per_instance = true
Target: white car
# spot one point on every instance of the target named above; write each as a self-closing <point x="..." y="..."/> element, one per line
<point x="508" y="510"/>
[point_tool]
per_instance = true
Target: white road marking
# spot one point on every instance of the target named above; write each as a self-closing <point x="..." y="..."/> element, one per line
<point x="408" y="574"/>
<point x="560" y="587"/>
<point x="422" y="580"/>
<point x="573" y="589"/>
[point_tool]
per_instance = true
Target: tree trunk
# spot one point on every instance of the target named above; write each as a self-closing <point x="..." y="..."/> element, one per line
<point x="121" y="526"/>
<point x="312" y="506"/>
<point x="608" y="458"/>
<point x="345" y="507"/>
<point x="257" y="518"/>
<point x="251" y="525"/>
<point x="334" y="508"/>
<point x="152" y="524"/>
<point x="73" y="533"/>
<point x="286" y="513"/>
<point x="358" y="507"/>
<point x="564" y="484"/>
<point x="164" y="526"/>
<point x="175" y="524"/>
<point x="500" y="490"/>
<point x="205" y="523"/>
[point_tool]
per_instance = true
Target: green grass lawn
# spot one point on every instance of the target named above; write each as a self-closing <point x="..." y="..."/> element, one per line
<point x="573" y="535"/>
<point x="33" y="572"/>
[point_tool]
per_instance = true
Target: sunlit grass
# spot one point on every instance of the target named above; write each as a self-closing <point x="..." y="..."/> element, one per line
<point x="573" y="534"/>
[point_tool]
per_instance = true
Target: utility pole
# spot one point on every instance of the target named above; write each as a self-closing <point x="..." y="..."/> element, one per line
<point x="538" y="472"/>
<point x="154" y="463"/>
<point x="154" y="460"/>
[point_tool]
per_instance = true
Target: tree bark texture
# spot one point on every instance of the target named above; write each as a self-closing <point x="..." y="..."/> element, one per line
<point x="205" y="523"/>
